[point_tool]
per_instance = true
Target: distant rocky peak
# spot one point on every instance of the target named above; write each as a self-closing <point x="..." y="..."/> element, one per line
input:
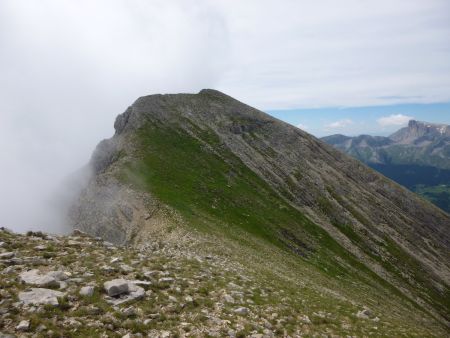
<point x="428" y="127"/>
<point x="417" y="129"/>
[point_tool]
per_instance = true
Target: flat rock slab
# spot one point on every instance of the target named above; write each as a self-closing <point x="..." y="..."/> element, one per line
<point x="38" y="296"/>
<point x="34" y="277"/>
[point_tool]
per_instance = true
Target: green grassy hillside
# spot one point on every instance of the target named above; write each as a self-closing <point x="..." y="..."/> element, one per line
<point x="216" y="193"/>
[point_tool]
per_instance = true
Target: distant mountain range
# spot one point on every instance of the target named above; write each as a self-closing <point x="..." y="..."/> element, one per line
<point x="417" y="157"/>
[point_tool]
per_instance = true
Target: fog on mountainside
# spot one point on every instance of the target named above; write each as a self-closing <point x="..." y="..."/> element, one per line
<point x="65" y="79"/>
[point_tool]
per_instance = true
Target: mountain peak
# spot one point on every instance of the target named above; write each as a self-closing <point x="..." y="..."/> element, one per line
<point x="204" y="169"/>
<point x="441" y="127"/>
<point x="420" y="129"/>
<point x="210" y="91"/>
<point x="209" y="106"/>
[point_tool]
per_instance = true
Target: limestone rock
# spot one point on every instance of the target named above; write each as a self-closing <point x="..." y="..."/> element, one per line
<point x="228" y="299"/>
<point x="58" y="275"/>
<point x="364" y="314"/>
<point x="141" y="282"/>
<point x="87" y="291"/>
<point x="129" y="311"/>
<point x="305" y="319"/>
<point x="116" y="287"/>
<point x="134" y="293"/>
<point x="24" y="325"/>
<point x="38" y="296"/>
<point x="241" y="310"/>
<point x="166" y="280"/>
<point x="7" y="255"/>
<point x="34" y="277"/>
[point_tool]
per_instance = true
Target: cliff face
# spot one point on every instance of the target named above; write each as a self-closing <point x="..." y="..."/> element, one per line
<point x="417" y="130"/>
<point x="205" y="164"/>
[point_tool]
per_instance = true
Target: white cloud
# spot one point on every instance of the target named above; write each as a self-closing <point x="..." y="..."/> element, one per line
<point x="339" y="124"/>
<point x="394" y="120"/>
<point x="302" y="126"/>
<point x="355" y="53"/>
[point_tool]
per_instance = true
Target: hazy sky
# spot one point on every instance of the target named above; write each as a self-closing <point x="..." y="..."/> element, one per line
<point x="69" y="67"/>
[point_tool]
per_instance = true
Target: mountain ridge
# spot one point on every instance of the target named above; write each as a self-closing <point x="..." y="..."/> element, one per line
<point x="188" y="164"/>
<point x="430" y="141"/>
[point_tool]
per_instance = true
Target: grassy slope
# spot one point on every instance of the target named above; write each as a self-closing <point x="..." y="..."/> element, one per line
<point x="215" y="192"/>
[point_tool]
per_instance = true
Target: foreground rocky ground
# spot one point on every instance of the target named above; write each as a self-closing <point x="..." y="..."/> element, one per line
<point x="79" y="286"/>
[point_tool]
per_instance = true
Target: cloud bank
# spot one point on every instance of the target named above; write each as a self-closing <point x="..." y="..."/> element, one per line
<point x="394" y="120"/>
<point x="69" y="67"/>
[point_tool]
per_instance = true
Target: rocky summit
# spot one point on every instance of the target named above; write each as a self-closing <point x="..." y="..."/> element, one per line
<point x="207" y="217"/>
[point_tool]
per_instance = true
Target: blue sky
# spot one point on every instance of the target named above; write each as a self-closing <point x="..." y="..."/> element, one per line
<point x="372" y="120"/>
